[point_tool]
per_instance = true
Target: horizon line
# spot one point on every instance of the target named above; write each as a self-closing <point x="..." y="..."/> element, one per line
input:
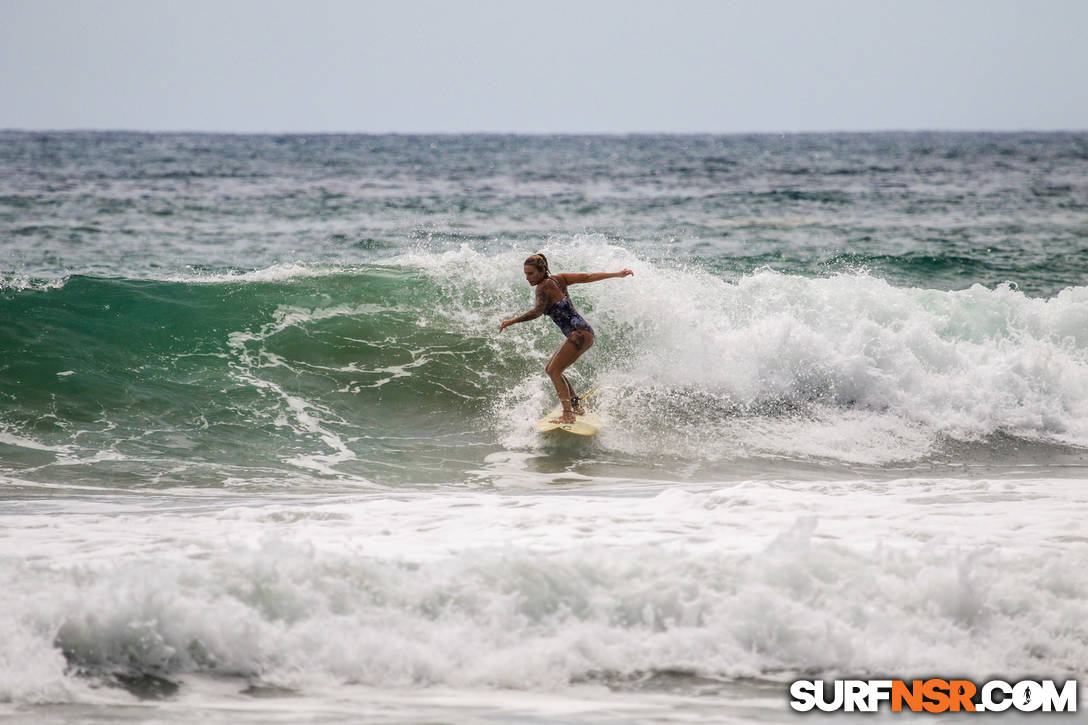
<point x="546" y="133"/>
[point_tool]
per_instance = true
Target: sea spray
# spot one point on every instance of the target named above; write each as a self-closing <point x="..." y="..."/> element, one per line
<point x="845" y="367"/>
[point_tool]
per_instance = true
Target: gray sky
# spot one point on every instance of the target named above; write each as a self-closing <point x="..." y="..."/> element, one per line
<point x="543" y="66"/>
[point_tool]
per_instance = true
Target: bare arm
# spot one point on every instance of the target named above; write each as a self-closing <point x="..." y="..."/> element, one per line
<point x="543" y="301"/>
<point x="573" y="278"/>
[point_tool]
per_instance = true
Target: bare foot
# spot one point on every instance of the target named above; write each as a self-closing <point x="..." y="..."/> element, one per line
<point x="567" y="417"/>
<point x="579" y="410"/>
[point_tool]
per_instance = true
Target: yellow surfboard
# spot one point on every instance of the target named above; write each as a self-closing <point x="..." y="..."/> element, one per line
<point x="585" y="425"/>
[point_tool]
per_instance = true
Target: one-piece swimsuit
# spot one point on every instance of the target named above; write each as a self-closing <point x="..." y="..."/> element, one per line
<point x="564" y="314"/>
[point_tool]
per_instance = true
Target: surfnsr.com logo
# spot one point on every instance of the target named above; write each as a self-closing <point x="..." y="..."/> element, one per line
<point x="933" y="695"/>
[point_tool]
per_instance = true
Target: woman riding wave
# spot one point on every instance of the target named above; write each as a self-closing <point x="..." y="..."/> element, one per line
<point x="552" y="300"/>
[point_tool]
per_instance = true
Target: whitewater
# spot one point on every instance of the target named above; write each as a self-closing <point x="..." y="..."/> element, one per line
<point x="264" y="455"/>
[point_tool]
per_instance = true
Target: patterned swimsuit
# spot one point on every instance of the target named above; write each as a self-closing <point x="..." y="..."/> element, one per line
<point x="564" y="315"/>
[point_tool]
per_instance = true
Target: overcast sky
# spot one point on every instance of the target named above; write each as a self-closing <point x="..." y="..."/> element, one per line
<point x="543" y="66"/>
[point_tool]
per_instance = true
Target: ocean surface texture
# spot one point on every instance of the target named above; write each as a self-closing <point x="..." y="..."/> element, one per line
<point x="265" y="457"/>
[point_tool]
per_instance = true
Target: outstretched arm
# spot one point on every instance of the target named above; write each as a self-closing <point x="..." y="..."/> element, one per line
<point x="543" y="300"/>
<point x="573" y="278"/>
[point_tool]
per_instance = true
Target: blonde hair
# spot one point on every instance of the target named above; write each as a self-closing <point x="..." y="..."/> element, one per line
<point x="539" y="261"/>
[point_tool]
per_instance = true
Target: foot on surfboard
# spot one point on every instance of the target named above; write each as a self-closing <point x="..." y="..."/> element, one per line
<point x="567" y="417"/>
<point x="580" y="421"/>
<point x="582" y="425"/>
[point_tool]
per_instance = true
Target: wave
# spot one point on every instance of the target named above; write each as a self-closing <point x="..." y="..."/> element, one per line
<point x="291" y="370"/>
<point x="489" y="595"/>
<point x="337" y="370"/>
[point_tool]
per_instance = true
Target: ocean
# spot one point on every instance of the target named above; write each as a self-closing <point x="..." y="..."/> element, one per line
<point x="265" y="457"/>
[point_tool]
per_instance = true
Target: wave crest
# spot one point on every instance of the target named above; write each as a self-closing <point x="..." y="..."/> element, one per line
<point x="844" y="368"/>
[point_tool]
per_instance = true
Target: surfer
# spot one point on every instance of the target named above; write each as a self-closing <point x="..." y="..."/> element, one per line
<point x="552" y="300"/>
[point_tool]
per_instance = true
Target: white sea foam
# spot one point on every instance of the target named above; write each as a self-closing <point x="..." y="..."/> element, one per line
<point x="846" y="367"/>
<point x="273" y="273"/>
<point x="532" y="591"/>
<point x="278" y="272"/>
<point x="20" y="283"/>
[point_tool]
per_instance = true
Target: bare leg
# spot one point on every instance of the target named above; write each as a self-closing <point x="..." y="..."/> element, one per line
<point x="578" y="409"/>
<point x="568" y="352"/>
